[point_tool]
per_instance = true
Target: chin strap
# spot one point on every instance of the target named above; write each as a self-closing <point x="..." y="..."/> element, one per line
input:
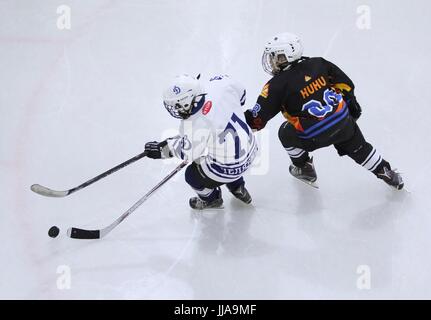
<point x="198" y="106"/>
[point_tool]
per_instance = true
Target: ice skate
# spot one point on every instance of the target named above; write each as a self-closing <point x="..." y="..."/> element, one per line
<point x="215" y="201"/>
<point x="306" y="174"/>
<point x="199" y="204"/>
<point x="241" y="193"/>
<point x="391" y="177"/>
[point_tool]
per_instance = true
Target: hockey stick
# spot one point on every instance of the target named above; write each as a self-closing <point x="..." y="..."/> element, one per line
<point x="44" y="191"/>
<point x="77" y="233"/>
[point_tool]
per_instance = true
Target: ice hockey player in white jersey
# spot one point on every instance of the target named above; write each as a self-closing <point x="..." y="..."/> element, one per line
<point x="214" y="137"/>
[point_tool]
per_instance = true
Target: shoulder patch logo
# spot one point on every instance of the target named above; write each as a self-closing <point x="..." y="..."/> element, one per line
<point x="265" y="90"/>
<point x="307" y="78"/>
<point x="207" y="107"/>
<point x="256" y="109"/>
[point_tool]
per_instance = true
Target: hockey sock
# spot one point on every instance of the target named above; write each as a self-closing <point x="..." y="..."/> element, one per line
<point x="232" y="186"/>
<point x="209" y="195"/>
<point x="298" y="156"/>
<point x="373" y="161"/>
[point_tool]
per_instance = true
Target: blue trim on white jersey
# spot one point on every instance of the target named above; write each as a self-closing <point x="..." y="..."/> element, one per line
<point x="242" y="100"/>
<point x="219" y="169"/>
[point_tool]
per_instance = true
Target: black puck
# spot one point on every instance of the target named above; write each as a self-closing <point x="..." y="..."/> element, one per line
<point x="53" y="232"/>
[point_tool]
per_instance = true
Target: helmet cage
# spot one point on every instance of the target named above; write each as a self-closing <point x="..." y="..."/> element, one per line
<point x="274" y="62"/>
<point x="182" y="108"/>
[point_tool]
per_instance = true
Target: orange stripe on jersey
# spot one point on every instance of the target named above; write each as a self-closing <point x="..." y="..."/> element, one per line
<point x="340" y="106"/>
<point x="294" y="121"/>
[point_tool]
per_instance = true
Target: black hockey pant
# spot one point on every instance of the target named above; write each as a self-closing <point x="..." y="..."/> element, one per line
<point x="206" y="188"/>
<point x="346" y="137"/>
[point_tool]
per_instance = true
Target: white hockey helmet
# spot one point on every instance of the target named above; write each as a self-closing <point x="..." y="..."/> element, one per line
<point x="182" y="95"/>
<point x="280" y="51"/>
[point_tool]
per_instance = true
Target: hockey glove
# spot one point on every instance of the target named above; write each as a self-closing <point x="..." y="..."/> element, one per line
<point x="354" y="108"/>
<point x="158" y="150"/>
<point x="255" y="123"/>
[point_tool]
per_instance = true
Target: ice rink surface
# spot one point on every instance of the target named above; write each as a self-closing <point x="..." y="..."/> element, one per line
<point x="76" y="102"/>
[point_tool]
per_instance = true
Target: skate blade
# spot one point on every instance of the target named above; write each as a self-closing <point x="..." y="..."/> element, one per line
<point x="213" y="208"/>
<point x="208" y="209"/>
<point x="309" y="183"/>
<point x="406" y="190"/>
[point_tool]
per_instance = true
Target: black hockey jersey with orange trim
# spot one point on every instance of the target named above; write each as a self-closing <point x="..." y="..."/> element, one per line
<point x="309" y="94"/>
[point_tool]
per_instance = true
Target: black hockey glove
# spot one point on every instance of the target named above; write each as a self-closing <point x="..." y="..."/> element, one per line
<point x="157" y="150"/>
<point x="255" y="123"/>
<point x="354" y="107"/>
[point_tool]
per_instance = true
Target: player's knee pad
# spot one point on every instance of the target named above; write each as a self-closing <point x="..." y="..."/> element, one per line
<point x="361" y="153"/>
<point x="197" y="179"/>
<point x="356" y="147"/>
<point x="287" y="135"/>
<point x="193" y="178"/>
<point x="232" y="186"/>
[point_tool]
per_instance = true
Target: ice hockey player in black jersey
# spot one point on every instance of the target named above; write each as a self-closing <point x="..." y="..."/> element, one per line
<point x="318" y="101"/>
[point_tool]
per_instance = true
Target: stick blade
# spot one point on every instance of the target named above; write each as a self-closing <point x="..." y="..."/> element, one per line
<point x="44" y="191"/>
<point x="76" y="233"/>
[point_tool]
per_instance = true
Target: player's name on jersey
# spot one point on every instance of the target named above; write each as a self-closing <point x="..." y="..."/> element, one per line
<point x="313" y="87"/>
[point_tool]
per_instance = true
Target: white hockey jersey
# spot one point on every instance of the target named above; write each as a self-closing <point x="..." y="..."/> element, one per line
<point x="217" y="135"/>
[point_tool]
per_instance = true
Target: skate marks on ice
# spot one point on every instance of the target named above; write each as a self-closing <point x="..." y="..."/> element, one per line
<point x="326" y="240"/>
<point x="217" y="258"/>
<point x="229" y="244"/>
<point x="228" y="232"/>
<point x="394" y="205"/>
